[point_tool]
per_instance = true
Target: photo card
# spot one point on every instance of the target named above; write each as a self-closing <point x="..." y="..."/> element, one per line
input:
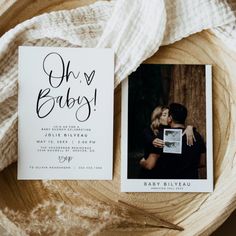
<point x="166" y="136"/>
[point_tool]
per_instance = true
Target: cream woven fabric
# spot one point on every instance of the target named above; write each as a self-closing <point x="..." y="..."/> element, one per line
<point x="135" y="29"/>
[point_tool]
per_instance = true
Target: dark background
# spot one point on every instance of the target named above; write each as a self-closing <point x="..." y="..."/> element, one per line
<point x="152" y="85"/>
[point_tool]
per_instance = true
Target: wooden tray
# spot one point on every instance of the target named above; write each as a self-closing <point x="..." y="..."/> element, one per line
<point x="198" y="214"/>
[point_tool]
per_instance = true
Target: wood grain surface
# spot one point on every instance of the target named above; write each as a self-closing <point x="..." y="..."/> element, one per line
<point x="197" y="213"/>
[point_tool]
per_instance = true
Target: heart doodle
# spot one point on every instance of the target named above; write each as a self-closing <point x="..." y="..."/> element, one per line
<point x="89" y="78"/>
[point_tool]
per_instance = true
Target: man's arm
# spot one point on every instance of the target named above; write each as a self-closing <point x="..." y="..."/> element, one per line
<point x="202" y="166"/>
<point x="202" y="160"/>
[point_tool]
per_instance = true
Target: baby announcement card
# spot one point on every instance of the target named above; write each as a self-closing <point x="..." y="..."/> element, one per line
<point x="166" y="135"/>
<point x="65" y="109"/>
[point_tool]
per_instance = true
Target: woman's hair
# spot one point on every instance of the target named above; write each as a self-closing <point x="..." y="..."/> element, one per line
<point x="155" y="118"/>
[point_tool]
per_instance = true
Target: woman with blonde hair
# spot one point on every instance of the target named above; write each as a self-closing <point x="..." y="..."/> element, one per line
<point x="159" y="121"/>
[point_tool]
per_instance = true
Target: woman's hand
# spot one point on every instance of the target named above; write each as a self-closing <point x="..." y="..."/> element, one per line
<point x="158" y="143"/>
<point x="190" y="135"/>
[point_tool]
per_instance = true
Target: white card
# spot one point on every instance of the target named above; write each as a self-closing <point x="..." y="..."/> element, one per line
<point x="159" y="102"/>
<point x="65" y="110"/>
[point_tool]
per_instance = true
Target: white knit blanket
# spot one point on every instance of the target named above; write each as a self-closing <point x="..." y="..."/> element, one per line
<point x="135" y="29"/>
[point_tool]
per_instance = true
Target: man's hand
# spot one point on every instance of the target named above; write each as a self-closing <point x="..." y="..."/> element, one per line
<point x="158" y="143"/>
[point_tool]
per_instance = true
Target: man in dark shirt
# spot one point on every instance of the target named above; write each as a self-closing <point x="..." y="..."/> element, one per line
<point x="186" y="164"/>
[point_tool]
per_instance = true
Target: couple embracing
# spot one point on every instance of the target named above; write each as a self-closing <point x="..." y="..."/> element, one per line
<point x="159" y="165"/>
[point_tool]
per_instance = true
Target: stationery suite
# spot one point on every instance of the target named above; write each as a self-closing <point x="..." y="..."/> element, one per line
<point x="65" y="108"/>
